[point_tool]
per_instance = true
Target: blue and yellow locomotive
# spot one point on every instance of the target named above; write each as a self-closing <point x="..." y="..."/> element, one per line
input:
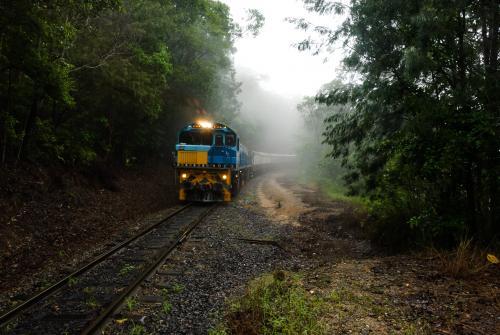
<point x="211" y="163"/>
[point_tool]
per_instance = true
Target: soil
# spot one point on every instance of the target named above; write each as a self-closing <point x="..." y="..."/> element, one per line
<point x="53" y="219"/>
<point x="274" y="224"/>
<point x="373" y="292"/>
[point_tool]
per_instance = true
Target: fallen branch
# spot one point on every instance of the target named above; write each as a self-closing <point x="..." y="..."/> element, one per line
<point x="263" y="242"/>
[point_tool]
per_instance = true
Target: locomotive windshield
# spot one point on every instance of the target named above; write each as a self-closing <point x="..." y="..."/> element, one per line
<point x="196" y="137"/>
<point x="219" y="140"/>
<point x="230" y="140"/>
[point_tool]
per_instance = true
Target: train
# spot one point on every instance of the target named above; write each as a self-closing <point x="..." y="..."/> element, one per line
<point x="212" y="165"/>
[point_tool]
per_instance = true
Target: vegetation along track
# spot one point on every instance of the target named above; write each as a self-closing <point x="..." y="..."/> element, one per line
<point x="82" y="302"/>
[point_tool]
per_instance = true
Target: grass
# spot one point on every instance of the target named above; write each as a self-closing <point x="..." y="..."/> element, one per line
<point x="9" y="326"/>
<point x="219" y="330"/>
<point x="178" y="288"/>
<point x="166" y="304"/>
<point x="137" y="330"/>
<point x="126" y="269"/>
<point x="72" y="281"/>
<point x="275" y="304"/>
<point x="333" y="189"/>
<point x="336" y="192"/>
<point x="44" y="283"/>
<point x="92" y="302"/>
<point x="130" y="302"/>
<point x="464" y="261"/>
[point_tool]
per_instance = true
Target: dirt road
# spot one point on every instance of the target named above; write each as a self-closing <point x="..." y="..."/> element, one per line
<point x="375" y="292"/>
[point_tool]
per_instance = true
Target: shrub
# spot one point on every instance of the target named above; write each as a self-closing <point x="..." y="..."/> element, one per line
<point x="276" y="304"/>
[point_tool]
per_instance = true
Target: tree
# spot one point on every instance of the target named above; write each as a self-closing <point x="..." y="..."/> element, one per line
<point x="425" y="127"/>
<point x="313" y="153"/>
<point x="110" y="80"/>
<point x="35" y="37"/>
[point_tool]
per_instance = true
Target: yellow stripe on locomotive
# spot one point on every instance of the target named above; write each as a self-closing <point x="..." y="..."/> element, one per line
<point x="192" y="157"/>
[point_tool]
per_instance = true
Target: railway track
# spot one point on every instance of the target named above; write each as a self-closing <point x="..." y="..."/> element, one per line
<point x="84" y="301"/>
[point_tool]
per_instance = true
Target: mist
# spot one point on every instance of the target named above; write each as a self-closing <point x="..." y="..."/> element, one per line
<point x="275" y="75"/>
<point x="271" y="120"/>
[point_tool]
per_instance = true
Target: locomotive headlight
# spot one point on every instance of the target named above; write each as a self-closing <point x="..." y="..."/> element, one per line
<point x="206" y="124"/>
<point x="224" y="176"/>
<point x="184" y="175"/>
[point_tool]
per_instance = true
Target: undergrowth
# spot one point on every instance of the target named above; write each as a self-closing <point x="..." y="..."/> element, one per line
<point x="275" y="304"/>
<point x="333" y="189"/>
<point x="464" y="261"/>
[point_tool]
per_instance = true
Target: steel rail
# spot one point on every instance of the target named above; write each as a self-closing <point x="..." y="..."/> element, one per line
<point x="99" y="322"/>
<point x="7" y="316"/>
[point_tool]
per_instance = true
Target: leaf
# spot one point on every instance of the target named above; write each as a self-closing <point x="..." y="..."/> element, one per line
<point x="121" y="321"/>
<point x="492" y="259"/>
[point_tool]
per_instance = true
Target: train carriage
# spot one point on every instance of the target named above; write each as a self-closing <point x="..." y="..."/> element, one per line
<point x="211" y="163"/>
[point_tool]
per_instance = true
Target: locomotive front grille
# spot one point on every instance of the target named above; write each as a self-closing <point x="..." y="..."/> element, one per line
<point x="192" y="157"/>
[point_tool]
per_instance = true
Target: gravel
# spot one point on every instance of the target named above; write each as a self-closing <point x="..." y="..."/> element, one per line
<point x="188" y="294"/>
<point x="25" y="287"/>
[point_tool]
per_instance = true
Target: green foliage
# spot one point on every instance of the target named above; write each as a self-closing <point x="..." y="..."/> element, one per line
<point x="130" y="302"/>
<point x="166" y="306"/>
<point x="316" y="166"/>
<point x="255" y="21"/>
<point x="126" y="269"/>
<point x="137" y="330"/>
<point x="178" y="288"/>
<point x="276" y="304"/>
<point x="110" y="80"/>
<point x="92" y="302"/>
<point x="72" y="281"/>
<point x="422" y="137"/>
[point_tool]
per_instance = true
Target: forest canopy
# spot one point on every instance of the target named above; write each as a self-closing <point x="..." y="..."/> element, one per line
<point x="110" y="79"/>
<point x="422" y="136"/>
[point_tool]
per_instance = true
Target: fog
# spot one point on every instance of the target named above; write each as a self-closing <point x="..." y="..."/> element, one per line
<point x="271" y="116"/>
<point x="275" y="76"/>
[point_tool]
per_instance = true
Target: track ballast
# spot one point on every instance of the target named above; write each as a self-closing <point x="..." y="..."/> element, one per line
<point x="82" y="302"/>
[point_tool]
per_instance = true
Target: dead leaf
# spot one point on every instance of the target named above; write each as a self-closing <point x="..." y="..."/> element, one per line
<point x="492" y="259"/>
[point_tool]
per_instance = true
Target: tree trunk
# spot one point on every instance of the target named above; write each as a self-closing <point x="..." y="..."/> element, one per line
<point x="5" y="118"/>
<point x="495" y="109"/>
<point x="110" y="136"/>
<point x="489" y="35"/>
<point x="28" y="126"/>
<point x="464" y="108"/>
<point x="493" y="86"/>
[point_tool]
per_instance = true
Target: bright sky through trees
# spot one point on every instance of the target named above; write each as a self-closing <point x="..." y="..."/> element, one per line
<point x="271" y="56"/>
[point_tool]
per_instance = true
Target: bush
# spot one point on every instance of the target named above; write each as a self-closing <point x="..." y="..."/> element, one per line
<point x="276" y="304"/>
